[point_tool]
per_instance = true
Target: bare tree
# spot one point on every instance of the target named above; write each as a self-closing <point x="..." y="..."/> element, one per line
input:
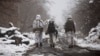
<point x="87" y="15"/>
<point x="21" y="12"/>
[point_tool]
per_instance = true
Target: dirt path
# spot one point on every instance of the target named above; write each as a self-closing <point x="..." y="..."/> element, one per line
<point x="47" y="51"/>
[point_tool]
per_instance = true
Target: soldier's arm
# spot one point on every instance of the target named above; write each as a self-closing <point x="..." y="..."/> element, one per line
<point x="43" y="22"/>
<point x="34" y="22"/>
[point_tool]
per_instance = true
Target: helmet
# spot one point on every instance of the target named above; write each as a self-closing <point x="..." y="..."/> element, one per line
<point x="52" y="18"/>
<point x="69" y="17"/>
<point x="38" y="17"/>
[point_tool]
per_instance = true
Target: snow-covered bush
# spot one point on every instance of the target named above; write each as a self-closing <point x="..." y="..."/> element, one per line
<point x="92" y="41"/>
<point x="8" y="31"/>
<point x="94" y="34"/>
<point x="29" y="35"/>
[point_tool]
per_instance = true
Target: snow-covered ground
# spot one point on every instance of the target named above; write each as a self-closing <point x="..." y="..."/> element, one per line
<point x="92" y="41"/>
<point x="84" y="44"/>
<point x="7" y="49"/>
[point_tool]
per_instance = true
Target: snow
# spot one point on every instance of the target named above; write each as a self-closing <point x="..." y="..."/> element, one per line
<point x="9" y="49"/>
<point x="62" y="33"/>
<point x="17" y="32"/>
<point x="91" y="1"/>
<point x="92" y="41"/>
<point x="4" y="30"/>
<point x="37" y="55"/>
<point x="92" y="46"/>
<point x="30" y="35"/>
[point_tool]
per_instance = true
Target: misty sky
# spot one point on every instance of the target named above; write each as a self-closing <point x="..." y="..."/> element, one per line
<point x="58" y="7"/>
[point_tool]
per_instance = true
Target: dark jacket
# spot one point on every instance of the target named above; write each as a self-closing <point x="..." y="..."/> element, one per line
<point x="51" y="27"/>
<point x="69" y="26"/>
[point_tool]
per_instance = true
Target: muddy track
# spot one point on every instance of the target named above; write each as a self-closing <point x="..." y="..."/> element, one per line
<point x="46" y="50"/>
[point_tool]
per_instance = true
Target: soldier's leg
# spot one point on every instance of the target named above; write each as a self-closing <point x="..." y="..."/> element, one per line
<point x="51" y="40"/>
<point x="40" y="39"/>
<point x="54" y="39"/>
<point x="71" y="39"/>
<point x="56" y="33"/>
<point x="36" y="39"/>
<point x="67" y="38"/>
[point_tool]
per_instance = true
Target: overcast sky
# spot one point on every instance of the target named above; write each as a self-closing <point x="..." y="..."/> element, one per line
<point x="57" y="7"/>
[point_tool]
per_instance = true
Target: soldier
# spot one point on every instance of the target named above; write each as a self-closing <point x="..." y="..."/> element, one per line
<point x="70" y="31"/>
<point x="38" y="29"/>
<point x="52" y="31"/>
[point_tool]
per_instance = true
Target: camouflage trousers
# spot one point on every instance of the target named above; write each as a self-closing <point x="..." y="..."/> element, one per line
<point x="53" y="38"/>
<point x="38" y="37"/>
<point x="70" y="37"/>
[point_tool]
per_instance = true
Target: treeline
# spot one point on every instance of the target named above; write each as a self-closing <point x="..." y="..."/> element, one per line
<point x="21" y="12"/>
<point x="87" y="15"/>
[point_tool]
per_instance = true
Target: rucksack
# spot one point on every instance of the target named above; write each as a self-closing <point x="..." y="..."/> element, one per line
<point x="38" y="26"/>
<point x="51" y="27"/>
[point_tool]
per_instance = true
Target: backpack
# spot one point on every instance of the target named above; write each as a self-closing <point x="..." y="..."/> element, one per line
<point x="69" y="26"/>
<point x="51" y="27"/>
<point x="38" y="26"/>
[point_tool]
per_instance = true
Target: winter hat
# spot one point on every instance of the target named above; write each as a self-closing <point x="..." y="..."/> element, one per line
<point x="38" y="17"/>
<point x="52" y="18"/>
<point x="69" y="17"/>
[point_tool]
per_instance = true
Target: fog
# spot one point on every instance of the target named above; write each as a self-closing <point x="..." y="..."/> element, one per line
<point x="61" y="8"/>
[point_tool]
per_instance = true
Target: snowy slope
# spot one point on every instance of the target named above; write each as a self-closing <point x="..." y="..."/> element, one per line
<point x="92" y="41"/>
<point x="7" y="49"/>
